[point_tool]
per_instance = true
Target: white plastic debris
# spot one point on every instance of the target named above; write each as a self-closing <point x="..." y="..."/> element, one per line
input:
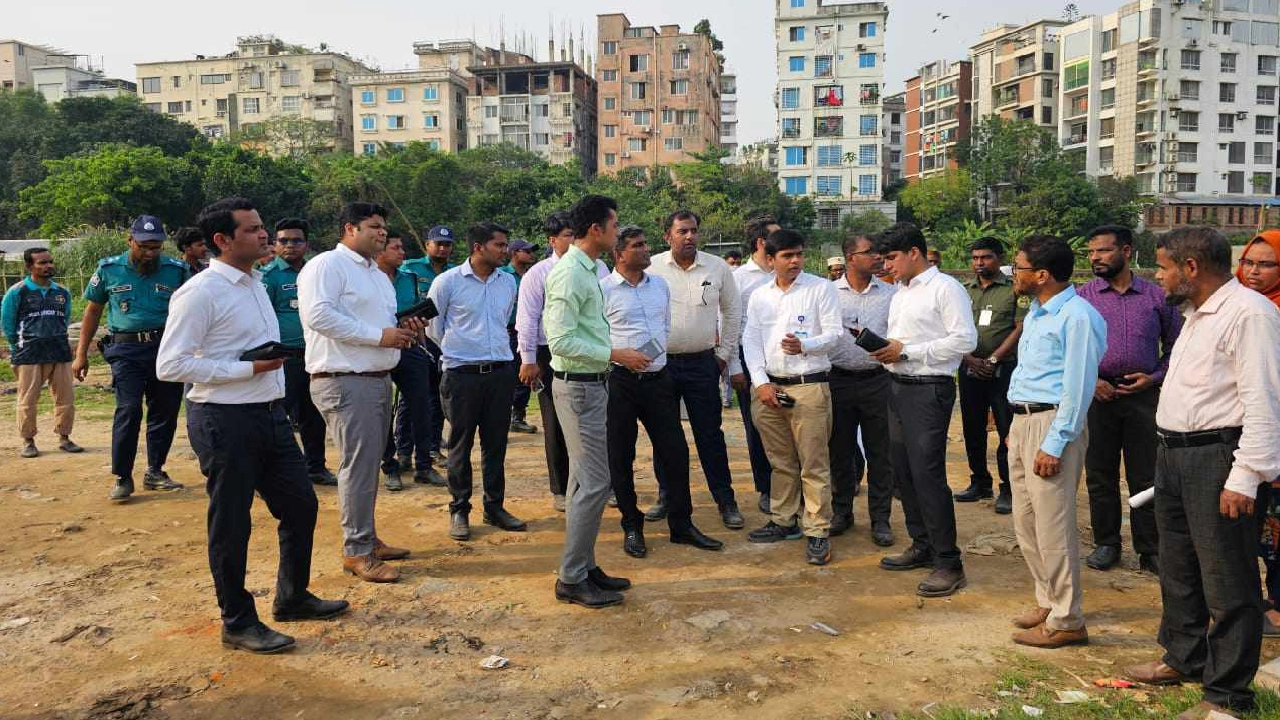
<point x="494" y="662"/>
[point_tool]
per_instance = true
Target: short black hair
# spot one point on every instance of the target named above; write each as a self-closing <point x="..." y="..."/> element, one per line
<point x="357" y="212"/>
<point x="187" y="236"/>
<point x="29" y="255"/>
<point x="1052" y="253"/>
<point x="681" y="214"/>
<point x="782" y="239"/>
<point x="988" y="243"/>
<point x="735" y="254"/>
<point x="850" y="244"/>
<point x="483" y="232"/>
<point x="557" y="222"/>
<point x="294" y="223"/>
<point x="1205" y="245"/>
<point x="626" y="234"/>
<point x="1124" y="236"/>
<point x="756" y="229"/>
<point x="590" y="210"/>
<point x="220" y="218"/>
<point x="394" y="234"/>
<point x="902" y="236"/>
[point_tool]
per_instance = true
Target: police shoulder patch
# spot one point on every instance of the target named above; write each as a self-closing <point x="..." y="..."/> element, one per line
<point x="1024" y="301"/>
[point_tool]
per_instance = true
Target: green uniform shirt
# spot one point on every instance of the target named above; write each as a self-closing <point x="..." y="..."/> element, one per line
<point x="135" y="302"/>
<point x="424" y="274"/>
<point x="406" y="287"/>
<point x="282" y="287"/>
<point x="573" y="316"/>
<point x="996" y="310"/>
<point x="511" y="270"/>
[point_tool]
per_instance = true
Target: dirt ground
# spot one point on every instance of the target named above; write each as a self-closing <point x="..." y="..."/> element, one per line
<point x="108" y="611"/>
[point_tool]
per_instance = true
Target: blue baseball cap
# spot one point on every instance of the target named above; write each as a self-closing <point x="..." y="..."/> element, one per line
<point x="517" y="245"/>
<point x="440" y="233"/>
<point x="147" y="228"/>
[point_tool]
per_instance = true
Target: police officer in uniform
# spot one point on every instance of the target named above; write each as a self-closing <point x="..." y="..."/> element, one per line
<point x="135" y="288"/>
<point x="280" y="276"/>
<point x="425" y="269"/>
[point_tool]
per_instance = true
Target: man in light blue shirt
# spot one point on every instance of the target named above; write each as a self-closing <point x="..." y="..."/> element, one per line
<point x="475" y="300"/>
<point x="1063" y="340"/>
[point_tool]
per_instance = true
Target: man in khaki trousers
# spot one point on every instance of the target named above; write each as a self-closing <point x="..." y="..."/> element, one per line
<point x="793" y="321"/>
<point x="1063" y="338"/>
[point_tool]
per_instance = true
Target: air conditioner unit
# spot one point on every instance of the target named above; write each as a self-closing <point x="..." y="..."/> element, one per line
<point x="1193" y="43"/>
<point x="862" y="46"/>
<point x="682" y="46"/>
<point x="1242" y="114"/>
<point x="306" y="96"/>
<point x="624" y="154"/>
<point x="643" y="129"/>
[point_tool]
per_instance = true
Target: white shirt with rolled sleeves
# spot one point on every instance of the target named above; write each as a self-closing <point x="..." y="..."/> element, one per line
<point x="638" y="314"/>
<point x="533" y="296"/>
<point x="748" y="276"/>
<point x="703" y="298"/>
<point x="1225" y="372"/>
<point x="213" y="318"/>
<point x="345" y="303"/>
<point x="810" y="310"/>
<point x="932" y="317"/>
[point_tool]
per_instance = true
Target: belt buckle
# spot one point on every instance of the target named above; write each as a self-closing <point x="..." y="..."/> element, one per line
<point x="485" y="368"/>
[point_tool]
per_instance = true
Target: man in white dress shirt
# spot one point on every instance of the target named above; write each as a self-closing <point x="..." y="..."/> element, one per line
<point x="792" y="324"/>
<point x="239" y="429"/>
<point x="930" y="329"/>
<point x="1218" y="426"/>
<point x="348" y="310"/>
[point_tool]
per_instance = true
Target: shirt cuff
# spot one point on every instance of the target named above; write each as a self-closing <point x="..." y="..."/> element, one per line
<point x="1243" y="481"/>
<point x="1157" y="377"/>
<point x="241" y="370"/>
<point x="914" y="351"/>
<point x="529" y="358"/>
<point x="1053" y="446"/>
<point x="722" y="353"/>
<point x="373" y="336"/>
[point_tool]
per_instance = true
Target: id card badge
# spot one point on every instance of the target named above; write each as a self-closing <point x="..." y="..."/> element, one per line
<point x="984" y="318"/>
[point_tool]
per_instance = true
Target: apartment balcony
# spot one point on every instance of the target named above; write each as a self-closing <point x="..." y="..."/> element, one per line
<point x="1143" y="129"/>
<point x="1146" y="100"/>
<point x="869" y="98"/>
<point x="1148" y="68"/>
<point x="1072" y="140"/>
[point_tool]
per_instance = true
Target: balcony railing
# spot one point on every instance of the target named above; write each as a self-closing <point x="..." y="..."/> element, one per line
<point x="1076" y="139"/>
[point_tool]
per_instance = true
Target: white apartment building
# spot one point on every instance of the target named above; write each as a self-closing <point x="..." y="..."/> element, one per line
<point x="729" y="117"/>
<point x="1180" y="94"/>
<point x="894" y="121"/>
<point x="75" y="76"/>
<point x="425" y="104"/>
<point x="830" y="76"/>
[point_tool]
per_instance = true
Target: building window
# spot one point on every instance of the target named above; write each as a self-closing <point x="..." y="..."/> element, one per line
<point x="431" y="121"/>
<point x="212" y="132"/>
<point x="866" y="184"/>
<point x="830" y="156"/>
<point x="637" y="91"/>
<point x="637" y="144"/>
<point x="1226" y="92"/>
<point x="610" y="47"/>
<point x="251" y="106"/>
<point x="176" y="80"/>
<point x="608" y="75"/>
<point x="790" y="127"/>
<point x="1228" y="64"/>
<point x="221" y="106"/>
<point x="256" y="80"/>
<point x="642" y="117"/>
<point x="369" y="149"/>
<point x="368" y="97"/>
<point x="679" y="87"/>
<point x="1226" y="122"/>
<point x="289" y="78"/>
<point x="790" y="98"/>
<point x="290" y="104"/>
<point x="639" y="63"/>
<point x="541" y="139"/>
<point x="796" y="185"/>
<point x="610" y="159"/>
<point x="431" y="92"/>
<point x="395" y="95"/>
<point x="491" y="111"/>
<point x="610" y="131"/>
<point x="796" y="33"/>
<point x="1189" y="90"/>
<point x="680" y="60"/>
<point x="1264" y="153"/>
<point x="215" y="79"/>
<point x="1190" y="59"/>
<point x="1046" y="87"/>
<point x="1046" y="115"/>
<point x="822" y="66"/>
<point x="1075" y="76"/>
<point x="673" y="143"/>
<point x="828" y="126"/>
<point x="866" y="154"/>
<point x="1264" y="125"/>
<point x="153" y="107"/>
<point x="797" y="156"/>
<point x="866" y="29"/>
<point x="396" y="122"/>
<point x="797" y="3"/>
<point x="368" y="123"/>
<point x="828" y="184"/>
<point x="149" y="85"/>
<point x="1266" y="64"/>
<point x="1186" y="183"/>
<point x="796" y="64"/>
<point x="175" y="108"/>
<point x="431" y="145"/>
<point x="1189" y="121"/>
<point x="542" y="111"/>
<point x="1188" y="152"/>
<point x="1235" y="153"/>
<point x="866" y="60"/>
<point x="1107" y="99"/>
<point x="868" y="125"/>
<point x="1235" y="181"/>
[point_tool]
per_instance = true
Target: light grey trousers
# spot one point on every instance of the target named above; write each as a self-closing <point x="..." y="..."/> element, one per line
<point x="357" y="412"/>
<point x="583" y="409"/>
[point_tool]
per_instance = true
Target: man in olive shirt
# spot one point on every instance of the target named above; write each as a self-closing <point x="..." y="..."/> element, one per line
<point x="581" y="350"/>
<point x="985" y="372"/>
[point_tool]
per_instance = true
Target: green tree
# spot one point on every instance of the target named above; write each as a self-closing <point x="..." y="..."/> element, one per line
<point x="865" y="223"/>
<point x="289" y="136"/>
<point x="25" y="120"/>
<point x="110" y="185"/>
<point x="940" y="202"/>
<point x="1005" y="157"/>
<point x="1120" y="201"/>
<point x="703" y="27"/>
<point x="85" y="122"/>
<point x="279" y="186"/>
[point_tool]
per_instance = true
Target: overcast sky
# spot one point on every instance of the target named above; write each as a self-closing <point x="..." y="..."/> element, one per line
<point x="123" y="32"/>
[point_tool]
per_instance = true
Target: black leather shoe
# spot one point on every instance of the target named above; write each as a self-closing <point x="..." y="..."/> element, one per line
<point x="693" y="536"/>
<point x="405" y="462"/>
<point x="459" y="526"/>
<point x="942" y="582"/>
<point x="504" y="520"/>
<point x="731" y="516"/>
<point x="633" y="544"/>
<point x="324" y="477"/>
<point x="910" y="559"/>
<point x="841" y="523"/>
<point x="429" y="476"/>
<point x="587" y="594"/>
<point x="1149" y="563"/>
<point x="256" y="639"/>
<point x="763" y="504"/>
<point x="159" y="480"/>
<point x="393" y="482"/>
<point x="973" y="493"/>
<point x="881" y="533"/>
<point x="122" y="490"/>
<point x="310" y="608"/>
<point x="1004" y="502"/>
<point x="1103" y="557"/>
<point x="658" y="511"/>
<point x="606" y="582"/>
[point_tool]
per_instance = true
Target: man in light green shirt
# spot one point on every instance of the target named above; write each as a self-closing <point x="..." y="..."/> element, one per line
<point x="578" y="336"/>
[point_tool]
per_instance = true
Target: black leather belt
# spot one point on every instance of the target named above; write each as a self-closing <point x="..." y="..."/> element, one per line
<point x="1200" y="438"/>
<point x="811" y="378"/>
<point x="269" y="406"/>
<point x="923" y="379"/>
<point x="371" y="374"/>
<point x="481" y="369"/>
<point x="1030" y="408"/>
<point x="858" y="374"/>
<point x="641" y="376"/>
<point x="692" y="356"/>
<point x="146" y="336"/>
<point x="579" y="377"/>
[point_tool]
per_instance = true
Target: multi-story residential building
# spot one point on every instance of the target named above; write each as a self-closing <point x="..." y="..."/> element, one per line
<point x="729" y="117"/>
<point x="1015" y="72"/>
<point x="893" y="118"/>
<point x="939" y="101"/>
<point x="426" y="104"/>
<point x="546" y="107"/>
<point x="1180" y="95"/>
<point x="659" y="94"/>
<point x="830" y="75"/>
<point x="75" y="76"/>
<point x="18" y="59"/>
<point x="263" y="79"/>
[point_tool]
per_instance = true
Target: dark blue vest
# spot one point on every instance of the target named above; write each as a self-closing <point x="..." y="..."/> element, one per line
<point x="42" y="327"/>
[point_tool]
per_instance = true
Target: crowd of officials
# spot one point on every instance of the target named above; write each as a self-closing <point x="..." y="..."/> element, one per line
<point x="837" y="378"/>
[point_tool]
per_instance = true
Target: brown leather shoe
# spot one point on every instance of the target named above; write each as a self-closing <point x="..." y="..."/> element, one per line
<point x="1043" y="636"/>
<point x="1204" y="710"/>
<point x="370" y="568"/>
<point x="383" y="551"/>
<point x="1155" y="673"/>
<point x="1031" y="618"/>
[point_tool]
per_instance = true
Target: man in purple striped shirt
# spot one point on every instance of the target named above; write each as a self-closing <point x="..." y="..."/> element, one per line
<point x="1141" y="330"/>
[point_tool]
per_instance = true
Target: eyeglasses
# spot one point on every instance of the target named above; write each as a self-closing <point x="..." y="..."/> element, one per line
<point x="868" y="253"/>
<point x="1027" y="268"/>
<point x="1247" y="264"/>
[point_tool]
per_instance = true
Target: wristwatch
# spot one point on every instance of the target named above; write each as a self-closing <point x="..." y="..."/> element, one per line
<point x="993" y="360"/>
<point x="903" y="357"/>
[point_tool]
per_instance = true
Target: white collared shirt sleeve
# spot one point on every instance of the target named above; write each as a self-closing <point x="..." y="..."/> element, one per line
<point x="753" y="338"/>
<point x="179" y="358"/>
<point x="1257" y="373"/>
<point x="828" y="304"/>
<point x="320" y="286"/>
<point x="961" y="338"/>
<point x="440" y="293"/>
<point x="529" y="311"/>
<point x="730" y="317"/>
